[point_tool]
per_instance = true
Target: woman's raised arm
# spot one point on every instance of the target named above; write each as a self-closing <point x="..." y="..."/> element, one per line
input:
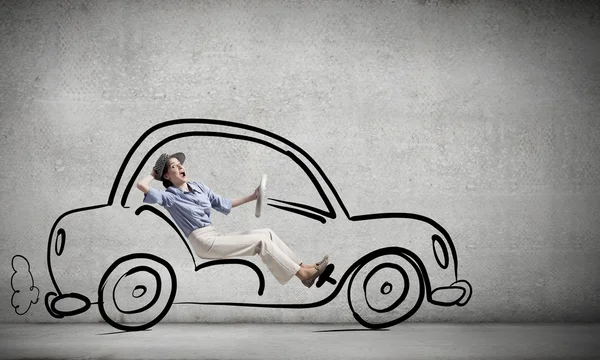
<point x="246" y="199"/>
<point x="144" y="184"/>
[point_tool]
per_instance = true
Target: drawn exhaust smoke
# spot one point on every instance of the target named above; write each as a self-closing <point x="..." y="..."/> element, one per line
<point x="25" y="293"/>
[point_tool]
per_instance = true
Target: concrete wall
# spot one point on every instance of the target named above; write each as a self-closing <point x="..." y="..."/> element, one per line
<point x="482" y="116"/>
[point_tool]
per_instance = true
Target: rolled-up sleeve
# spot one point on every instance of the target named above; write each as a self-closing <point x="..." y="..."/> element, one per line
<point x="155" y="196"/>
<point x="217" y="202"/>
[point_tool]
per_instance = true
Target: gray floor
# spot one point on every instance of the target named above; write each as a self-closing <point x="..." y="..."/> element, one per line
<point x="301" y="341"/>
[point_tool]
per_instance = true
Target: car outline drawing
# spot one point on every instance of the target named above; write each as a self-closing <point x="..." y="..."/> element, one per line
<point x="60" y="303"/>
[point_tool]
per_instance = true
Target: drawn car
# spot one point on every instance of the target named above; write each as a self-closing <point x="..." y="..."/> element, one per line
<point x="134" y="280"/>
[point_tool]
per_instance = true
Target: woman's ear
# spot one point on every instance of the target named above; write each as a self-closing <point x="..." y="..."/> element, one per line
<point x="166" y="176"/>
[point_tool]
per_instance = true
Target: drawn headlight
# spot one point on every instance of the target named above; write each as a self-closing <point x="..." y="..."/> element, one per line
<point x="440" y="251"/>
<point x="59" y="244"/>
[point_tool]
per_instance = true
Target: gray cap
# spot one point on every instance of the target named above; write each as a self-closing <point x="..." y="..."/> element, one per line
<point x="159" y="167"/>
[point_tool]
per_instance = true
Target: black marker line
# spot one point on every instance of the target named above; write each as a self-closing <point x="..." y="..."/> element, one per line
<point x="251" y="128"/>
<point x="279" y="138"/>
<point x="259" y="274"/>
<point x="48" y="259"/>
<point x="436" y="239"/>
<point x="300" y="163"/>
<point x="225" y="124"/>
<point x="48" y="302"/>
<point x="141" y="268"/>
<point x="60" y="239"/>
<point x="441" y="288"/>
<point x="407" y="254"/>
<point x="463" y="302"/>
<point x="208" y="263"/>
<point x="300" y="212"/>
<point x="307" y="207"/>
<point x="352" y="271"/>
<point x="387" y="285"/>
<point x="134" y="270"/>
<point x="325" y="276"/>
<point x="31" y="287"/>
<point x="83" y="309"/>
<point x="159" y="213"/>
<point x="139" y="287"/>
<point x="431" y="222"/>
<point x="418" y="266"/>
<point x="292" y="156"/>
<point x="121" y="332"/>
<point x="347" y="330"/>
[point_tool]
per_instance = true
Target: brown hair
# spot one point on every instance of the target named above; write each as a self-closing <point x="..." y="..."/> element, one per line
<point x="166" y="183"/>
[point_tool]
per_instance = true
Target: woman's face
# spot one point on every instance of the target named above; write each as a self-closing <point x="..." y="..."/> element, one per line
<point x="175" y="172"/>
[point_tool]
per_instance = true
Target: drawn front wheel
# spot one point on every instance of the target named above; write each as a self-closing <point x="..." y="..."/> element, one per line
<point x="136" y="292"/>
<point x="386" y="290"/>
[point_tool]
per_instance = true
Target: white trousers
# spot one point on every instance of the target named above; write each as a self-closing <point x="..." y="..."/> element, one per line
<point x="208" y="243"/>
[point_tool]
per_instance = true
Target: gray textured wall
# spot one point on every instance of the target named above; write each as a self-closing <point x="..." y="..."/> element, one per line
<point x="480" y="115"/>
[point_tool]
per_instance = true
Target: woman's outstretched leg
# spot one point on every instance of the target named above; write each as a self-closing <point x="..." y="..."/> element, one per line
<point x="281" y="244"/>
<point x="210" y="244"/>
<point x="272" y="236"/>
<point x="279" y="264"/>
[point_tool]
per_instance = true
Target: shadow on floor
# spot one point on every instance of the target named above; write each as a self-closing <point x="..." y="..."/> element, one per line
<point x="122" y="332"/>
<point x="340" y="330"/>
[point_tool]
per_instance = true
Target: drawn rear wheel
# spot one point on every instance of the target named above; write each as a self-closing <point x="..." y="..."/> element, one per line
<point x="386" y="290"/>
<point x="136" y="292"/>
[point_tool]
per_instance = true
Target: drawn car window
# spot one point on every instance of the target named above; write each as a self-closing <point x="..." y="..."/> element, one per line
<point x="234" y="167"/>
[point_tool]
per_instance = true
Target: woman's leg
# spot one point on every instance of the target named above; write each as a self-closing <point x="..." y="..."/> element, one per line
<point x="283" y="246"/>
<point x="272" y="236"/>
<point x="249" y="243"/>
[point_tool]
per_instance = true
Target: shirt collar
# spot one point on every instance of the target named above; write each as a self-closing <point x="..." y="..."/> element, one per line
<point x="175" y="189"/>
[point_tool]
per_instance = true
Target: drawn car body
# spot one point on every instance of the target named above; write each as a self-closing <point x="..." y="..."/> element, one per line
<point x="431" y="273"/>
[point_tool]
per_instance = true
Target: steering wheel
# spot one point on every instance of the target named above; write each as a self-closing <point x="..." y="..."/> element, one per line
<point x="261" y="195"/>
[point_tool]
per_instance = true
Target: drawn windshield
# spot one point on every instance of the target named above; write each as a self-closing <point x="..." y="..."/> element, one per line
<point x="233" y="167"/>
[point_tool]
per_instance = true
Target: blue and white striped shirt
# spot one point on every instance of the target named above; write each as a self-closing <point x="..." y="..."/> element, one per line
<point x="189" y="210"/>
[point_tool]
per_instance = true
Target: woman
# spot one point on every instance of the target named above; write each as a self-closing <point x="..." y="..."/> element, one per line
<point x="190" y="204"/>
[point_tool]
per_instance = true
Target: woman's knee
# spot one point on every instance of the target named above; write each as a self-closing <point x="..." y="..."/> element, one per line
<point x="266" y="231"/>
<point x="265" y="242"/>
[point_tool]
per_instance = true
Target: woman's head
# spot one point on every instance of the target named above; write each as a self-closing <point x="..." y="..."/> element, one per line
<point x="170" y="170"/>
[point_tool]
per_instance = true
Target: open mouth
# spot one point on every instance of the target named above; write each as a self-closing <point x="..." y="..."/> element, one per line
<point x="182" y="173"/>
